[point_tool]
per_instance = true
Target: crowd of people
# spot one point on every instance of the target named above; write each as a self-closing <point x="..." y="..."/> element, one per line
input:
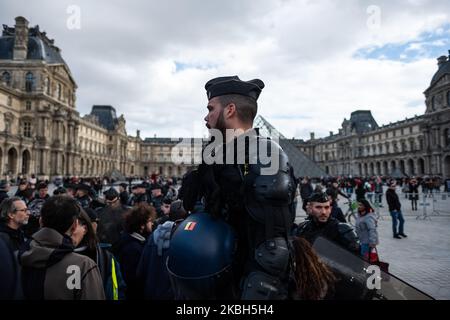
<point x="121" y="238"/>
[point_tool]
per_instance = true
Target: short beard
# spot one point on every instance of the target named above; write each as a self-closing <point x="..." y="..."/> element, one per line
<point x="220" y="124"/>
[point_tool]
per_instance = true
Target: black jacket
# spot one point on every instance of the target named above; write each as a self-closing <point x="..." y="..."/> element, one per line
<point x="3" y="195"/>
<point x="392" y="200"/>
<point x="128" y="252"/>
<point x="16" y="237"/>
<point x="124" y="198"/>
<point x="340" y="233"/>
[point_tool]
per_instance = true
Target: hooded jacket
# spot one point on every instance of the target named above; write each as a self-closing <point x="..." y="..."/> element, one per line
<point x="49" y="270"/>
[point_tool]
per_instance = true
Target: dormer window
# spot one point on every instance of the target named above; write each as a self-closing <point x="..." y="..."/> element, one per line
<point x="433" y="104"/>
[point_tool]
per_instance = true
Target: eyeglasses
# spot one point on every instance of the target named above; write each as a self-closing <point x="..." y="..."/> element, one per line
<point x="22" y="210"/>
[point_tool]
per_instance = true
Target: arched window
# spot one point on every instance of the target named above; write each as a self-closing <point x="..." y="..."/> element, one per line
<point x="29" y="82"/>
<point x="448" y="99"/>
<point x="58" y="91"/>
<point x="433" y="104"/>
<point x="6" y="78"/>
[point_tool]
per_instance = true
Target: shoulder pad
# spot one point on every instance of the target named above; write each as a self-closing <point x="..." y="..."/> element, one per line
<point x="344" y="228"/>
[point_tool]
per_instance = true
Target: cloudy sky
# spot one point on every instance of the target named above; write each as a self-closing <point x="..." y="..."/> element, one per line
<point x="320" y="60"/>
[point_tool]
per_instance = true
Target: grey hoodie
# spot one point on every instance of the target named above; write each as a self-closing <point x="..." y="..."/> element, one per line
<point x="366" y="228"/>
<point x="46" y="269"/>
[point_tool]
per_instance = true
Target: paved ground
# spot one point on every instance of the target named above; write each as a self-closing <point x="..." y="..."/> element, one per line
<point x="422" y="259"/>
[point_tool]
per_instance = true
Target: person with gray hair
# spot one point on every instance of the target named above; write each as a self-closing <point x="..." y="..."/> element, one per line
<point x="14" y="215"/>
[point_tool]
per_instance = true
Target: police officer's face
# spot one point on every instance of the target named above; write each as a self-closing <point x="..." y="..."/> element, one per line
<point x="320" y="211"/>
<point x="214" y="119"/>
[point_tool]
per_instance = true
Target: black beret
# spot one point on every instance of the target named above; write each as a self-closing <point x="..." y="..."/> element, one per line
<point x="155" y="186"/>
<point x="233" y="85"/>
<point x="3" y="184"/>
<point x="111" y="194"/>
<point x="42" y="185"/>
<point x="70" y="186"/>
<point x="59" y="190"/>
<point x="320" y="197"/>
<point x="84" y="187"/>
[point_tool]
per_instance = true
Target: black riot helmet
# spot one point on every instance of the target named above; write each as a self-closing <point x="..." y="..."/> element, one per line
<point x="200" y="257"/>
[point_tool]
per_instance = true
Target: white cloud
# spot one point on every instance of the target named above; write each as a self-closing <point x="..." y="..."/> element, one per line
<point x="126" y="55"/>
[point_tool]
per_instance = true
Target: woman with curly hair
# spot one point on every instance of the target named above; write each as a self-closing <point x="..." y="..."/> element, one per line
<point x="314" y="280"/>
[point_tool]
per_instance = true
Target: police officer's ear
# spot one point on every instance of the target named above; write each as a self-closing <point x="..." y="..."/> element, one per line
<point x="230" y="110"/>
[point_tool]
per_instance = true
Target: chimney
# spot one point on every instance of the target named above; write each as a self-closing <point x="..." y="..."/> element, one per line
<point x="138" y="133"/>
<point x="331" y="133"/>
<point x="442" y="60"/>
<point x="312" y="134"/>
<point x="20" y="39"/>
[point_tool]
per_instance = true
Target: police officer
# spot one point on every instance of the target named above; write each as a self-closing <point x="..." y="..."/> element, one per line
<point x="322" y="224"/>
<point x="254" y="198"/>
<point x="123" y="193"/>
<point x="111" y="218"/>
<point x="157" y="199"/>
<point x="139" y="195"/>
<point x="82" y="195"/>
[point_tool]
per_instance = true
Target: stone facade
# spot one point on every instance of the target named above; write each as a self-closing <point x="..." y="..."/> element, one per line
<point x="415" y="147"/>
<point x="42" y="133"/>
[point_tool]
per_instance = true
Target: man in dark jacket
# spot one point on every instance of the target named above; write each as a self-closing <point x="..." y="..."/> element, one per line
<point x="152" y="270"/>
<point x="111" y="218"/>
<point x="13" y="215"/>
<point x="123" y="194"/>
<point x="322" y="224"/>
<point x="9" y="273"/>
<point x="4" y="189"/>
<point x="395" y="210"/>
<point x="35" y="207"/>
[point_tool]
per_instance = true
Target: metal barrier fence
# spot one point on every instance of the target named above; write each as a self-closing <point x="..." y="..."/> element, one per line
<point x="434" y="204"/>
